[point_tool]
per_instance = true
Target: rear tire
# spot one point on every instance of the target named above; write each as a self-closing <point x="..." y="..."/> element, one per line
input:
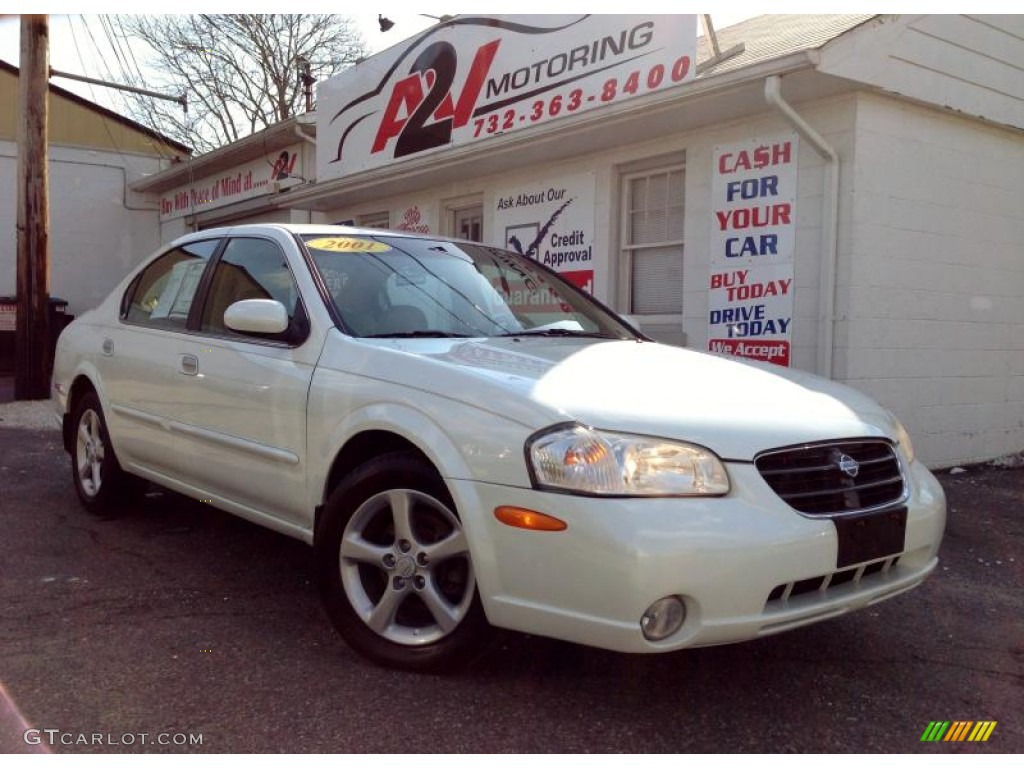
<point x="394" y="568"/>
<point x="103" y="487"/>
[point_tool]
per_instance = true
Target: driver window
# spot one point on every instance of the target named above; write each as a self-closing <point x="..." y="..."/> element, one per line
<point x="249" y="268"/>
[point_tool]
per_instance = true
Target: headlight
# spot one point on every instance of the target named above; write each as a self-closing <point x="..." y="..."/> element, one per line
<point x="588" y="461"/>
<point x="903" y="438"/>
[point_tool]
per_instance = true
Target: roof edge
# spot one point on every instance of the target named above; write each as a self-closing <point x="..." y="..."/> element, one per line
<point x="796" y="61"/>
<point x="109" y="113"/>
<point x="195" y="167"/>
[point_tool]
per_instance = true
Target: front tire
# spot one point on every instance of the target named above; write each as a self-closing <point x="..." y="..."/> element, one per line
<point x="102" y="486"/>
<point x="394" y="567"/>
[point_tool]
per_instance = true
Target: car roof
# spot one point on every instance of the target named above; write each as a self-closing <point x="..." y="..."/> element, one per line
<point x="338" y="230"/>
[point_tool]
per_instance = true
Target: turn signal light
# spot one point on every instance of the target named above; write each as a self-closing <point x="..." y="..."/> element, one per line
<point x="517" y="517"/>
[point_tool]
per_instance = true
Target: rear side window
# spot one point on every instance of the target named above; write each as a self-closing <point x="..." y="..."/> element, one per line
<point x="250" y="268"/>
<point x="161" y="296"/>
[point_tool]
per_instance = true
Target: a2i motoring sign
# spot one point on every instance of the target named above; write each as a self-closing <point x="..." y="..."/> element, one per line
<point x="474" y="77"/>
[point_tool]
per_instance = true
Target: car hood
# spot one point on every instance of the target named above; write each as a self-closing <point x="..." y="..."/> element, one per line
<point x="734" y="407"/>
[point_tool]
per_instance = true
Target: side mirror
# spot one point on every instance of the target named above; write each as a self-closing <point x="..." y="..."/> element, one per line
<point x="257" y="316"/>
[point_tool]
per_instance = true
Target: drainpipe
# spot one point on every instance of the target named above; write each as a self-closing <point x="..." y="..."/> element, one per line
<point x="303" y="135"/>
<point x="829" y="223"/>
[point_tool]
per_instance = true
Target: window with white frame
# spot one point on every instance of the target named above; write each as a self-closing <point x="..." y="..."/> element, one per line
<point x="652" y="240"/>
<point x="375" y="220"/>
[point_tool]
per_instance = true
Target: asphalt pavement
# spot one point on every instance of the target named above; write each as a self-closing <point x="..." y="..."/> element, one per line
<point x="142" y="632"/>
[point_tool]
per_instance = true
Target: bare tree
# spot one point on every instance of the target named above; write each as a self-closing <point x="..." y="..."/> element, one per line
<point x="241" y="72"/>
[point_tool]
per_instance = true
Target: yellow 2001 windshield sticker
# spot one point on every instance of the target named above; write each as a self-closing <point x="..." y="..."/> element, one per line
<point x="347" y="245"/>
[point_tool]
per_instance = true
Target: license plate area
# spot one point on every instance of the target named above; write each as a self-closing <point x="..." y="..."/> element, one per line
<point x="870" y="536"/>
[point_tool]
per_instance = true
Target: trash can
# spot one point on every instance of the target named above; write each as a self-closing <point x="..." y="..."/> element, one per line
<point x="59" y="320"/>
<point x="8" y="313"/>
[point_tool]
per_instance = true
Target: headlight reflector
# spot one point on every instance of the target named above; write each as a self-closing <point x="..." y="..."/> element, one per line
<point x="589" y="461"/>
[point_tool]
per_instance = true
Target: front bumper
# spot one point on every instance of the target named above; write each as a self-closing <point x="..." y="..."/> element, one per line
<point x="725" y="557"/>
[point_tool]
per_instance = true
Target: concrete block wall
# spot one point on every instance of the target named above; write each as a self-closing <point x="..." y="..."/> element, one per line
<point x="931" y="294"/>
<point x="99" y="230"/>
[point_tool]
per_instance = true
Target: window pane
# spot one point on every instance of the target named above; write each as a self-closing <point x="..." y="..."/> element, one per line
<point x="378" y="220"/>
<point x="657" y="280"/>
<point x="162" y="295"/>
<point x="638" y="231"/>
<point x="676" y="188"/>
<point x="658" y="191"/>
<point x="638" y="194"/>
<point x="249" y="269"/>
<point x="675" y="224"/>
<point x="655" y="213"/>
<point x="655" y="208"/>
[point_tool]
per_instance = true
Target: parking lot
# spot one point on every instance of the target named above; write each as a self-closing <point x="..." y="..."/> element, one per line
<point x="176" y="618"/>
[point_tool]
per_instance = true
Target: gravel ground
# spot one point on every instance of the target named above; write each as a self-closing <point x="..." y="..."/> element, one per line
<point x="28" y="414"/>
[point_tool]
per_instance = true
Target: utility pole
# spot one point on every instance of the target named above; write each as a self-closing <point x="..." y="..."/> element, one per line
<point x="32" y="338"/>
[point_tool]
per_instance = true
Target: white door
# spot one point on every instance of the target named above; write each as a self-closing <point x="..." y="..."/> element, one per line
<point x="246" y="402"/>
<point x="140" y="359"/>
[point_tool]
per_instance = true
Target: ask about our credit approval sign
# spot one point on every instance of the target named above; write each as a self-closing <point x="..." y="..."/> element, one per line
<point x="476" y="77"/>
<point x="753" y="232"/>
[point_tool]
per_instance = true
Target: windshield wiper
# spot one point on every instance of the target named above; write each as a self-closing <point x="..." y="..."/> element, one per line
<point x="560" y="332"/>
<point x="418" y="335"/>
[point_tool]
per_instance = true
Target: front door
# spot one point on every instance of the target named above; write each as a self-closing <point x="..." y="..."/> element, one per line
<point x="246" y="402"/>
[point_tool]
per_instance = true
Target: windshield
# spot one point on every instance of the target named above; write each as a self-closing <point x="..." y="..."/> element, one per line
<point x="386" y="286"/>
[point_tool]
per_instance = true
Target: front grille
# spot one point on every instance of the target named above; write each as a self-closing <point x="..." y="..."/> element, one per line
<point x="812" y="480"/>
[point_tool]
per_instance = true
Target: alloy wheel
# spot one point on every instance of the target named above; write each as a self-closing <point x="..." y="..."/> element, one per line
<point x="405" y="567"/>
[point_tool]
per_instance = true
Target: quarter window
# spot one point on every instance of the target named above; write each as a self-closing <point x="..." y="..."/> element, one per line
<point x="161" y="296"/>
<point x="249" y="268"/>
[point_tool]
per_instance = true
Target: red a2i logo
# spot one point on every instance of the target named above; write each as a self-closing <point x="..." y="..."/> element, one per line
<point x="434" y="68"/>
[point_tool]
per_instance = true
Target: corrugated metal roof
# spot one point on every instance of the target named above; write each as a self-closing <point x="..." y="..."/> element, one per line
<point x="774" y="35"/>
<point x="92" y="106"/>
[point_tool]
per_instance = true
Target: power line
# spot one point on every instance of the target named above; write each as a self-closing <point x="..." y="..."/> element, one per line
<point x="99" y="51"/>
<point x="125" y="104"/>
<point x="118" y="48"/>
<point x="103" y="118"/>
<point x="131" y="51"/>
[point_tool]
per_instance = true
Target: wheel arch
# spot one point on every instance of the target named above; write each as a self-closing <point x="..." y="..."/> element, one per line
<point x="379" y="429"/>
<point x="81" y="384"/>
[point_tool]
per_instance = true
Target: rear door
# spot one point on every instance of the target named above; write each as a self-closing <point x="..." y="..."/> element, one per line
<point x="141" y="361"/>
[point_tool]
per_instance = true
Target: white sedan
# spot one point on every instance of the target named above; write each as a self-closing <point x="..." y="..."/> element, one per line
<point x="467" y="441"/>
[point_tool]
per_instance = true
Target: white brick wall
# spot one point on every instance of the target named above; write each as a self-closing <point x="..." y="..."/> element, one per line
<point x="932" y="297"/>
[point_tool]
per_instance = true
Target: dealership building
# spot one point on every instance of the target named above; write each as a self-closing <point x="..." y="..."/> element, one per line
<point x="838" y="194"/>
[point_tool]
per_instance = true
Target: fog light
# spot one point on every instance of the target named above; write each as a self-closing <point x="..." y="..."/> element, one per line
<point x="663" y="618"/>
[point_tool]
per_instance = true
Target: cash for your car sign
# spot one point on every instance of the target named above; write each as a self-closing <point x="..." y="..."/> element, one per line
<point x="753" y="223"/>
<point x="553" y="222"/>
<point x="478" y="76"/>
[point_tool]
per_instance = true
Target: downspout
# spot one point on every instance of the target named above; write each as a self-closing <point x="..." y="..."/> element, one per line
<point x="303" y="135"/>
<point x="829" y="223"/>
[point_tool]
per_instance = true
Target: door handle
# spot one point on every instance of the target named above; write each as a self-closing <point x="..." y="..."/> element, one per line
<point x="108" y="347"/>
<point x="189" y="365"/>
